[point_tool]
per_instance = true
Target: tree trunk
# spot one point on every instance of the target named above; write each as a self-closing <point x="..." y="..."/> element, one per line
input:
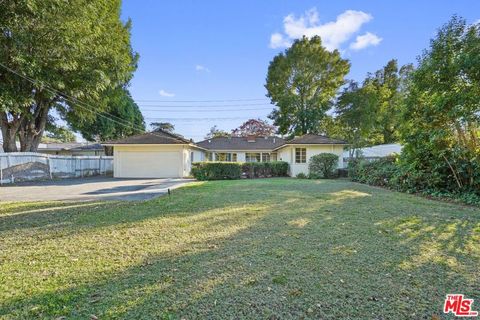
<point x="31" y="130"/>
<point x="9" y="132"/>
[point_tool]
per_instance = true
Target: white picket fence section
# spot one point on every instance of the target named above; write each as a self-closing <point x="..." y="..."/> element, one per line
<point x="22" y="166"/>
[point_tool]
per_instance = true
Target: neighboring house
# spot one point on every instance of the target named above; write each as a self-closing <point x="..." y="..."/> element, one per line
<point x="72" y="149"/>
<point x="378" y="151"/>
<point x="375" y="152"/>
<point x="69" y="149"/>
<point x="161" y="154"/>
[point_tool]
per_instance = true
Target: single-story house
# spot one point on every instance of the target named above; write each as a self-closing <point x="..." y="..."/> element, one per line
<point x="161" y="154"/>
<point x="72" y="149"/>
<point x="68" y="149"/>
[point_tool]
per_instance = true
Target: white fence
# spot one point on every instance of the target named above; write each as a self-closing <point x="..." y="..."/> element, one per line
<point x="22" y="166"/>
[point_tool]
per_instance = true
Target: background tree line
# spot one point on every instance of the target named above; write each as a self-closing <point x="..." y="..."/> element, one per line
<point x="433" y="109"/>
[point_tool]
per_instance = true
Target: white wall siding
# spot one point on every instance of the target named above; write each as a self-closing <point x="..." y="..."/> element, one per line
<point x="288" y="154"/>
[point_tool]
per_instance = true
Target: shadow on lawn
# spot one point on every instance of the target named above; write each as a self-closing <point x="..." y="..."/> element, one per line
<point x="314" y="253"/>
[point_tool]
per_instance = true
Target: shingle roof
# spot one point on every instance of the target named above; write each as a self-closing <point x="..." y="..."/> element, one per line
<point x="241" y="143"/>
<point x="93" y="146"/>
<point x="314" y="139"/>
<point x="155" y="137"/>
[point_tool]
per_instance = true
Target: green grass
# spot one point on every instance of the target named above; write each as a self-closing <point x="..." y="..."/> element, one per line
<point x="254" y="249"/>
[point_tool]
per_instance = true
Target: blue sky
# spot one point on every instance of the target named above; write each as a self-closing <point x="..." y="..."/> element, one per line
<point x="220" y="50"/>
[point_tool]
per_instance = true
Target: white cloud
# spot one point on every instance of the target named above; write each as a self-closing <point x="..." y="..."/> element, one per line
<point x="333" y="33"/>
<point x="201" y="68"/>
<point x="164" y="93"/>
<point x="278" y="41"/>
<point x="365" y="40"/>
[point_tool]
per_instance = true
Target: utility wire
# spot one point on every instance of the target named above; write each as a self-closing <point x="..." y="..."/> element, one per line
<point x="198" y="119"/>
<point x="204" y="106"/>
<point x="125" y="123"/>
<point x="199" y="101"/>
<point x="121" y="121"/>
<point x="199" y="110"/>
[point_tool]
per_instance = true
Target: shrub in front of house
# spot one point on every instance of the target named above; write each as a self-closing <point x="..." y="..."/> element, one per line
<point x="265" y="169"/>
<point x="322" y="165"/>
<point x="381" y="172"/>
<point x="279" y="168"/>
<point x="235" y="170"/>
<point x="216" y="170"/>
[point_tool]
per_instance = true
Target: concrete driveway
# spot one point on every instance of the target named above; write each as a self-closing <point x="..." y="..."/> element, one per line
<point x="91" y="188"/>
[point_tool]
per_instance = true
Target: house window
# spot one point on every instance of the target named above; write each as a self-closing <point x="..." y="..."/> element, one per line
<point x="225" y="156"/>
<point x="191" y="157"/>
<point x="209" y="156"/>
<point x="253" y="157"/>
<point x="300" y="155"/>
<point x="267" y="157"/>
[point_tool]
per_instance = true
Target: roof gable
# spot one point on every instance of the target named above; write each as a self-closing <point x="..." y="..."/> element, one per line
<point x="154" y="137"/>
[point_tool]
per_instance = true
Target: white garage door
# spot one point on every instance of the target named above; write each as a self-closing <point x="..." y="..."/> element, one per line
<point x="145" y="164"/>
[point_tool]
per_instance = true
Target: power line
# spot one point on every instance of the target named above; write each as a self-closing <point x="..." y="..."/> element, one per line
<point x="125" y="123"/>
<point x="204" y="106"/>
<point x="121" y="121"/>
<point x="198" y="119"/>
<point x="199" y="110"/>
<point x="199" y="101"/>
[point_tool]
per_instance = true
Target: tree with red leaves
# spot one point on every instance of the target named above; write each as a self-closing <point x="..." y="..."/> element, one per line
<point x="254" y="127"/>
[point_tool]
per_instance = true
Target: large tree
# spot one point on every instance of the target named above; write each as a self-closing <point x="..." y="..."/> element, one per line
<point x="215" y="132"/>
<point x="56" y="52"/>
<point x="370" y="113"/>
<point x="254" y="127"/>
<point x="302" y="82"/>
<point x="163" y="126"/>
<point x="441" y="119"/>
<point x="122" y="118"/>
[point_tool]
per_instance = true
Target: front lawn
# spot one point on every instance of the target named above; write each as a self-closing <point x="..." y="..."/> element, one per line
<point x="255" y="249"/>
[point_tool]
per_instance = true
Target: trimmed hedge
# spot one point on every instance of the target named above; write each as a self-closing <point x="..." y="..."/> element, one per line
<point x="235" y="170"/>
<point x="216" y="170"/>
<point x="265" y="169"/>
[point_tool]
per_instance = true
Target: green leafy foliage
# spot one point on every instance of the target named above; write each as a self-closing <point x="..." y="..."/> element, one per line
<point x="265" y="169"/>
<point x="216" y="132"/>
<point x="369" y="114"/>
<point x="322" y="165"/>
<point x="163" y="126"/>
<point x="73" y="50"/>
<point x="301" y="175"/>
<point x="120" y="106"/>
<point x="59" y="134"/>
<point x="440" y="121"/>
<point x="377" y="173"/>
<point x="234" y="170"/>
<point x="302" y="82"/>
<point x="216" y="170"/>
<point x="392" y="174"/>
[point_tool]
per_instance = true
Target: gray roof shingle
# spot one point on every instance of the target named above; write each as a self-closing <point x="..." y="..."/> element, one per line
<point x="314" y="139"/>
<point x="155" y="137"/>
<point x="241" y="143"/>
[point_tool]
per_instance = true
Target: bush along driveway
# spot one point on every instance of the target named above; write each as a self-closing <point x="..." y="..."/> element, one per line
<point x="249" y="249"/>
